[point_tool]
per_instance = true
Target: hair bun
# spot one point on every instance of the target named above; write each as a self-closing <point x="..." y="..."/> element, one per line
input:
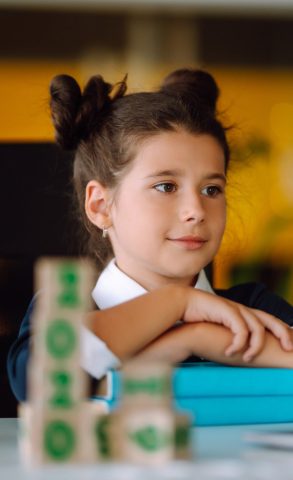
<point x="74" y="113"/>
<point x="192" y="86"/>
<point x="65" y="103"/>
<point x="94" y="99"/>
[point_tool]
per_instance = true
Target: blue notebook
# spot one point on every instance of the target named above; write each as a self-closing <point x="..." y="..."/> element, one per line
<point x="215" y="394"/>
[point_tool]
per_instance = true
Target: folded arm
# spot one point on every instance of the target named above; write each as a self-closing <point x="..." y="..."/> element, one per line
<point x="219" y="329"/>
<point x="210" y="341"/>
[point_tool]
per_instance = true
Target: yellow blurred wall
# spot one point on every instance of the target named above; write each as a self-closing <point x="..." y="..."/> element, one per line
<point x="260" y="191"/>
<point x="249" y="96"/>
<point x="24" y="98"/>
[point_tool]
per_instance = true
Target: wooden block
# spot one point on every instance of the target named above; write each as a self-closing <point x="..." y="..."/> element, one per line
<point x="57" y="336"/>
<point x="142" y="436"/>
<point x="92" y="413"/>
<point x="25" y="425"/>
<point x="49" y="437"/>
<point x="65" y="284"/>
<point x="183" y="441"/>
<point x="107" y="433"/>
<point x="54" y="424"/>
<point x="147" y="435"/>
<point x="55" y="375"/>
<point x="61" y="436"/>
<point x="146" y="384"/>
<point x="56" y="386"/>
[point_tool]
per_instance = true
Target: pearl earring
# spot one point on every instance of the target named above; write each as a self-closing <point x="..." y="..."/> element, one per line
<point x="105" y="232"/>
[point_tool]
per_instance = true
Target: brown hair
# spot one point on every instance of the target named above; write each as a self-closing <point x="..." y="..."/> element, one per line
<point x="105" y="128"/>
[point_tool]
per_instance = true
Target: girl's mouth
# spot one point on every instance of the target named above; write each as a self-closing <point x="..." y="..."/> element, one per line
<point x="189" y="242"/>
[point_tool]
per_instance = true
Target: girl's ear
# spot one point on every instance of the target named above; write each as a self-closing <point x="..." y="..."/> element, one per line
<point x="97" y="201"/>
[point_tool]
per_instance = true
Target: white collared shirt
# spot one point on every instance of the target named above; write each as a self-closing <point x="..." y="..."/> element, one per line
<point x="112" y="288"/>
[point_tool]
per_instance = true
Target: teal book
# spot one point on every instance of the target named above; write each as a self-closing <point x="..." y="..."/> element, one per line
<point x="217" y="394"/>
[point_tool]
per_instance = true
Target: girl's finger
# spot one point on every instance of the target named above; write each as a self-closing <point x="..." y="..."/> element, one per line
<point x="257" y="336"/>
<point x="278" y="328"/>
<point x="238" y="343"/>
<point x="236" y="323"/>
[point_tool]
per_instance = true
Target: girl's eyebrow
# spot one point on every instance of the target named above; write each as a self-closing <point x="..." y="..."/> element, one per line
<point x="216" y="176"/>
<point x="180" y="173"/>
<point x="166" y="173"/>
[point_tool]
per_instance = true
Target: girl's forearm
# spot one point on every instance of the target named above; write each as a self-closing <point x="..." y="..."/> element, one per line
<point x="210" y="341"/>
<point x="130" y="326"/>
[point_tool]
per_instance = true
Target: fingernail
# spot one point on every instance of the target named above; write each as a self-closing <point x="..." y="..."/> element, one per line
<point x="247" y="358"/>
<point x="289" y="345"/>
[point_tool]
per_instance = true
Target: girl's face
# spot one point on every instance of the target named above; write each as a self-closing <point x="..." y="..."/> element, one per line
<point x="169" y="211"/>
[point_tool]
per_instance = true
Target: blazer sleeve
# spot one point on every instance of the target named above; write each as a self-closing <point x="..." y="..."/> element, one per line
<point x="18" y="356"/>
<point x="257" y="295"/>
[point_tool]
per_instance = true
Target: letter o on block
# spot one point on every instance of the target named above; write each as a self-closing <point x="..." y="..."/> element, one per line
<point x="60" y="339"/>
<point x="59" y="440"/>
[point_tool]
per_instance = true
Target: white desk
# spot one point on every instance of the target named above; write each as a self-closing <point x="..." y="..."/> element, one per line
<point x="220" y="451"/>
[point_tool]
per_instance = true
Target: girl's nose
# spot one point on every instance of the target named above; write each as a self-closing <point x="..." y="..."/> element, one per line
<point x="192" y="209"/>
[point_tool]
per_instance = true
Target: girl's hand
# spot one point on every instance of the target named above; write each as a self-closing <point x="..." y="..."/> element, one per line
<point x="247" y="324"/>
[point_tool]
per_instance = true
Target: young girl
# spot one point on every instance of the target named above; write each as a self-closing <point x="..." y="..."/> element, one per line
<point x="150" y="174"/>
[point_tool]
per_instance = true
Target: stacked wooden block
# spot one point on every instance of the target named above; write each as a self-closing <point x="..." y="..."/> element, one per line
<point x="54" y="418"/>
<point x="58" y="425"/>
<point x="145" y="429"/>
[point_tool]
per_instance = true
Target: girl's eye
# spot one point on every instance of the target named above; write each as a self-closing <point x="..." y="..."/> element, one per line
<point x="166" y="187"/>
<point x="212" y="191"/>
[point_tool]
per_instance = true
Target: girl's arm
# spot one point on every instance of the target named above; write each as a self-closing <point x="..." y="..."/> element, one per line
<point x="210" y="341"/>
<point x="213" y="339"/>
<point x="130" y="327"/>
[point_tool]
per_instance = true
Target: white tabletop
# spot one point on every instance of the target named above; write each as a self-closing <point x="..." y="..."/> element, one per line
<point x="219" y="453"/>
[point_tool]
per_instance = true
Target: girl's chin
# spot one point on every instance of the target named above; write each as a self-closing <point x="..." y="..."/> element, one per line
<point x="188" y="279"/>
<point x="190" y="271"/>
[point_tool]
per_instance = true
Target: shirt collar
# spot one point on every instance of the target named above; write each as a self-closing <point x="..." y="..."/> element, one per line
<point x="114" y="287"/>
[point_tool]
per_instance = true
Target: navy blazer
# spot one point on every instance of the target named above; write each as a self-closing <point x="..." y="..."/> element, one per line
<point x="253" y="295"/>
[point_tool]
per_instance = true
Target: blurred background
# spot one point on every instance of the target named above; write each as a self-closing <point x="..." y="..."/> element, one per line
<point x="245" y="44"/>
